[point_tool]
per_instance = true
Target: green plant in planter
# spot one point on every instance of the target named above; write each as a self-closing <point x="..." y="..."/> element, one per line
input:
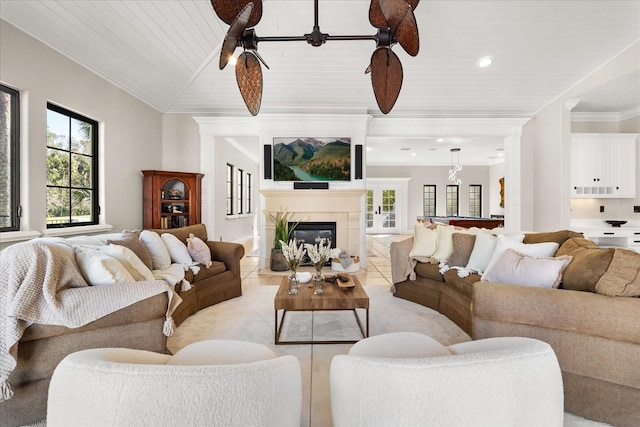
<point x="282" y="229"/>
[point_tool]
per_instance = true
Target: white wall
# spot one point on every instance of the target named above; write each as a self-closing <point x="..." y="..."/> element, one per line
<point x="548" y="135"/>
<point x="233" y="228"/>
<point x="130" y="137"/>
<point x="180" y="143"/>
<point x="438" y="175"/>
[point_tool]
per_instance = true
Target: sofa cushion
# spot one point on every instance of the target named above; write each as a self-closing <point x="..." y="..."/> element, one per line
<point x="156" y="247"/>
<point x="425" y="241"/>
<point x="445" y="243"/>
<point x="130" y="261"/>
<point x="199" y="250"/>
<point x="462" y="247"/>
<point x="518" y="269"/>
<point x="99" y="269"/>
<point x="622" y="278"/>
<point x="483" y="249"/>
<point x="177" y="249"/>
<point x="130" y="240"/>
<point x="538" y="250"/>
<point x="216" y="268"/>
<point x="588" y="265"/>
<point x="430" y="271"/>
<point x="182" y="233"/>
<point x="464" y="285"/>
<point x="559" y="237"/>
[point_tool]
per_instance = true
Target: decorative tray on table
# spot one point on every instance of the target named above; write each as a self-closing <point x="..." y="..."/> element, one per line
<point x="344" y="281"/>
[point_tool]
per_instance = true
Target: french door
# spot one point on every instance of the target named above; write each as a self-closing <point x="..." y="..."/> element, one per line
<point x="381" y="209"/>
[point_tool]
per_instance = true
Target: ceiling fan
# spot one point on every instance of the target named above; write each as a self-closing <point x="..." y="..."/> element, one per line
<point x="394" y="20"/>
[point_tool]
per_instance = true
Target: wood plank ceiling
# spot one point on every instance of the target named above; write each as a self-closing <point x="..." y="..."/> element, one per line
<point x="165" y="52"/>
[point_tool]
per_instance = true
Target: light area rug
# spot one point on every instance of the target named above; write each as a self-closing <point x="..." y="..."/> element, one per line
<point x="251" y="318"/>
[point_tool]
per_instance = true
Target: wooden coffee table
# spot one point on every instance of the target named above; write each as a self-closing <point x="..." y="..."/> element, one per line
<point x="334" y="298"/>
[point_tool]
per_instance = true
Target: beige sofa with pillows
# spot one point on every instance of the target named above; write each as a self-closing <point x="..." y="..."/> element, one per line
<point x="581" y="299"/>
<point x="97" y="291"/>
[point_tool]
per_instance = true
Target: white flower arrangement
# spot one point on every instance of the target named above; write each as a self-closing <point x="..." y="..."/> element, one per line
<point x="293" y="253"/>
<point x="319" y="253"/>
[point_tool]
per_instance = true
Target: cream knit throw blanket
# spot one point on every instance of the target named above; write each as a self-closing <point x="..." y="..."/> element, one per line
<point x="40" y="283"/>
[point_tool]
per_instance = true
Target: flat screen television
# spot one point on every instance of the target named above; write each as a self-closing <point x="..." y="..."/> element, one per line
<point x="311" y="159"/>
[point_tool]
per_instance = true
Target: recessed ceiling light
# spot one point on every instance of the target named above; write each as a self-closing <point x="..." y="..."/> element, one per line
<point x="413" y="154"/>
<point x="485" y="61"/>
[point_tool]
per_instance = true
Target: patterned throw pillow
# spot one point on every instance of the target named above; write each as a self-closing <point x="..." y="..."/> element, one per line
<point x="199" y="250"/>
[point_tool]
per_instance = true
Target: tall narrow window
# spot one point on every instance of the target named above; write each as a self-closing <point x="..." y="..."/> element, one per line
<point x="452" y="200"/>
<point x="72" y="168"/>
<point x="429" y="200"/>
<point x="475" y="200"/>
<point x="240" y="191"/>
<point x="248" y="195"/>
<point x="229" y="189"/>
<point x="9" y="159"/>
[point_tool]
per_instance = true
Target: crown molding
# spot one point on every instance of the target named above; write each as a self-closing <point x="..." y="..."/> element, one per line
<point x="605" y="117"/>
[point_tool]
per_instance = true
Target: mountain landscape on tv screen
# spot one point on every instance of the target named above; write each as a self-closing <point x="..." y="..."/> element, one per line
<point x="312" y="159"/>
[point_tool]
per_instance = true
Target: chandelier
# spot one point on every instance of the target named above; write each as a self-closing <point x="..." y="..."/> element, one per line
<point x="455" y="166"/>
<point x="394" y="20"/>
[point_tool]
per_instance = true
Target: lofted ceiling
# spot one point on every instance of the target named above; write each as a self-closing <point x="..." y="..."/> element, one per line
<point x="165" y="53"/>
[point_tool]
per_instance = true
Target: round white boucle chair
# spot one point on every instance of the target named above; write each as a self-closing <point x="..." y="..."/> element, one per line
<point x="212" y="383"/>
<point x="409" y="379"/>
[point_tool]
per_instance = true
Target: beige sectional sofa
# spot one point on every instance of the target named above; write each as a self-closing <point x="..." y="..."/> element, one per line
<point x="137" y="326"/>
<point x="596" y="336"/>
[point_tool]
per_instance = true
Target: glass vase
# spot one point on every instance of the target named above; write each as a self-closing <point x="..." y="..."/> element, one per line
<point x="293" y="283"/>
<point x="318" y="281"/>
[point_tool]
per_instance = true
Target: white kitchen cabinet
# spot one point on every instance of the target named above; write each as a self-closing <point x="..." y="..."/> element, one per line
<point x="603" y="165"/>
<point x="623" y="237"/>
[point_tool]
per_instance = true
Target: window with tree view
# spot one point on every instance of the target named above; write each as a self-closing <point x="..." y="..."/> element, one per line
<point x="72" y="168"/>
<point x="9" y="159"/>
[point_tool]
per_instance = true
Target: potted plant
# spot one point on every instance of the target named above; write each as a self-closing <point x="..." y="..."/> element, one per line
<point x="282" y="234"/>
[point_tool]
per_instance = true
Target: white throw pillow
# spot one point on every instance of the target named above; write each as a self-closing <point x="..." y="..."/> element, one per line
<point x="518" y="269"/>
<point x="199" y="250"/>
<point x="445" y="243"/>
<point x="484" y="248"/>
<point x="177" y="249"/>
<point x="425" y="241"/>
<point x="100" y="269"/>
<point x="134" y="265"/>
<point x="538" y="250"/>
<point x="159" y="254"/>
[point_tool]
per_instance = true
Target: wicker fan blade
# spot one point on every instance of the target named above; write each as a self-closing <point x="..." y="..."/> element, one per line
<point x="402" y="21"/>
<point x="249" y="78"/>
<point x="386" y="77"/>
<point x="235" y="31"/>
<point x="227" y="10"/>
<point x="407" y="34"/>
<point x="376" y="17"/>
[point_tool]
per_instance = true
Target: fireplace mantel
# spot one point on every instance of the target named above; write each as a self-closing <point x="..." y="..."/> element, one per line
<point x="344" y="207"/>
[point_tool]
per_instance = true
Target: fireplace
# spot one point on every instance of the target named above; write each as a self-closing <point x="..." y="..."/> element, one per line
<point x="312" y="233"/>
